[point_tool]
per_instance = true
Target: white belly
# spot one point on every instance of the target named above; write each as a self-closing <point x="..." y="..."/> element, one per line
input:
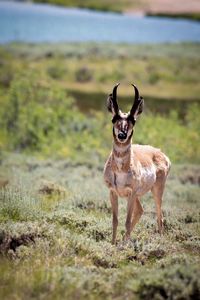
<point x="147" y="179"/>
<point x="135" y="182"/>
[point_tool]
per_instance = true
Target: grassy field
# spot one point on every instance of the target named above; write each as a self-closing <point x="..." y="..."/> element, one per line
<point x="56" y="231"/>
<point x="44" y="87"/>
<point x="55" y="136"/>
<point x="173" y="70"/>
<point x="104" y="5"/>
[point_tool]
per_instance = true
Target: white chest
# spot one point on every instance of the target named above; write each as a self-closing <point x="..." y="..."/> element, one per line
<point x="122" y="184"/>
<point x="121" y="179"/>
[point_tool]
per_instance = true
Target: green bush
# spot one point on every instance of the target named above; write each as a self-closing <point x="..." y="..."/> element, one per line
<point x="35" y="112"/>
<point x="175" y="283"/>
<point x="83" y="75"/>
<point x="55" y="71"/>
<point x="179" y="140"/>
<point x="38" y="115"/>
<point x="17" y="204"/>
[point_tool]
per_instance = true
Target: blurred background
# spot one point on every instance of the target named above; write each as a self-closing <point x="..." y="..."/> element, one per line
<point x="59" y="60"/>
<point x="70" y="58"/>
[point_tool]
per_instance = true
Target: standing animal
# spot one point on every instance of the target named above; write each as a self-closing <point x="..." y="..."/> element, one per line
<point x="132" y="170"/>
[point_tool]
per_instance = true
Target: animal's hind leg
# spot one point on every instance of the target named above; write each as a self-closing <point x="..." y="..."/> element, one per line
<point x="157" y="192"/>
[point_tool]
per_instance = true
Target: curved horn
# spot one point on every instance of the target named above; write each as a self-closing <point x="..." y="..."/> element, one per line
<point x="115" y="90"/>
<point x="114" y="96"/>
<point x="112" y="101"/>
<point x="137" y="95"/>
<point x="137" y="102"/>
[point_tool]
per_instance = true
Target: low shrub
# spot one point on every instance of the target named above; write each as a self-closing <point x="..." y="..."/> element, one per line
<point x="37" y="115"/>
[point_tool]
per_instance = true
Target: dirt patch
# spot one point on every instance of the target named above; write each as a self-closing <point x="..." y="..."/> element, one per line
<point x="104" y="263"/>
<point x="90" y="205"/>
<point x="167" y="7"/>
<point x="144" y="256"/>
<point x="8" y="242"/>
<point x="171" y="6"/>
<point x="192" y="177"/>
<point x="51" y="188"/>
<point x="3" y="182"/>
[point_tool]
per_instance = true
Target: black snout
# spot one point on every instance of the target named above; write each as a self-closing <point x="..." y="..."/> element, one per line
<point x="122" y="136"/>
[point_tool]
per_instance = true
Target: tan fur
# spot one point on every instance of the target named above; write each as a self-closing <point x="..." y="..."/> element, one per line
<point x="133" y="170"/>
<point x="131" y="173"/>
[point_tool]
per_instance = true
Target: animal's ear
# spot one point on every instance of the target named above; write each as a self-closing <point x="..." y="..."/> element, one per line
<point x="138" y="104"/>
<point x="112" y="105"/>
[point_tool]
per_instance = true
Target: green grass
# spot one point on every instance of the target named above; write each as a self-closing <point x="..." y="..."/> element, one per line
<point x="41" y="87"/>
<point x="40" y="117"/>
<point x="55" y="217"/>
<point x="122" y="6"/>
<point x="195" y="16"/>
<point x="173" y="70"/>
<point x="103" y="5"/>
<point x="66" y="239"/>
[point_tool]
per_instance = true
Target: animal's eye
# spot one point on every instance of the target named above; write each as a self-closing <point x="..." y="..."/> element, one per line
<point x="115" y="119"/>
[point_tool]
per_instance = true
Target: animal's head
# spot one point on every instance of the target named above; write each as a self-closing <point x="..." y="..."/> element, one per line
<point x="123" y="123"/>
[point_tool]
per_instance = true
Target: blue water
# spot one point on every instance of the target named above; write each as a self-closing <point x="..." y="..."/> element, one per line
<point x="26" y="22"/>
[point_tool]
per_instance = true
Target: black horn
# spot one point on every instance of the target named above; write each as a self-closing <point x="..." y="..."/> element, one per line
<point x="138" y="103"/>
<point x="112" y="101"/>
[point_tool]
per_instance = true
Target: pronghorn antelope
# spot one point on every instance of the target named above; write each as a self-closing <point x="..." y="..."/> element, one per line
<point x="132" y="170"/>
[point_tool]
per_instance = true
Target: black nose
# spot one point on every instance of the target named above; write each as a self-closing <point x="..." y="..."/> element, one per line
<point x="122" y="136"/>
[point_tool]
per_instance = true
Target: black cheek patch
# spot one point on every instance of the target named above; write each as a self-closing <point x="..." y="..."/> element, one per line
<point x="114" y="132"/>
<point x="131" y="134"/>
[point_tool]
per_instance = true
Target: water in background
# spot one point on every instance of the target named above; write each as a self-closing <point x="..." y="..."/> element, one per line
<point x="27" y="22"/>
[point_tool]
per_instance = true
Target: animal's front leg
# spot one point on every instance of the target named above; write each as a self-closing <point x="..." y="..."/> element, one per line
<point x="114" y="203"/>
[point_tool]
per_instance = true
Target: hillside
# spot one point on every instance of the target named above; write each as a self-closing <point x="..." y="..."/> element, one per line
<point x="178" y="8"/>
